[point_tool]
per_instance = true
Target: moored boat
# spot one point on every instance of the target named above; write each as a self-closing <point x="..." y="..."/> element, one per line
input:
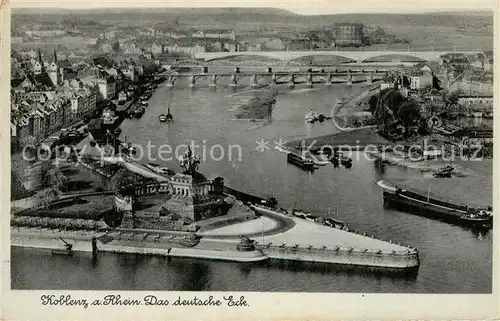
<point x="166" y="117"/>
<point x="300" y="161"/>
<point x="444" y="171"/>
<point x="139" y="112"/>
<point x="311" y="117"/>
<point x="67" y="252"/>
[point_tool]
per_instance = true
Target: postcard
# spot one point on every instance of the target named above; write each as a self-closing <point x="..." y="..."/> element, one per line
<point x="249" y="160"/>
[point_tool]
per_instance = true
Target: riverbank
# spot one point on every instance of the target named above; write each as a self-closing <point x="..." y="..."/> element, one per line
<point x="353" y="140"/>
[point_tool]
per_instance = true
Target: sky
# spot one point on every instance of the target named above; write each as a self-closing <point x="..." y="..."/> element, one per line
<point x="306" y="7"/>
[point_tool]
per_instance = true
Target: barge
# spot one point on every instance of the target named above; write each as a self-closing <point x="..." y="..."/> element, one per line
<point x="427" y="206"/>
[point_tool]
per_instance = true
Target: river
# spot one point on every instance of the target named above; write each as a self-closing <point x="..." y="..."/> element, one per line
<point x="453" y="259"/>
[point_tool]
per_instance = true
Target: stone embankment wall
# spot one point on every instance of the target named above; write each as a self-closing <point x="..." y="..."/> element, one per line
<point x="346" y="256"/>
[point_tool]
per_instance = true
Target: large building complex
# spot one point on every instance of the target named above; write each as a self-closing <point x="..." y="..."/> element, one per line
<point x="348" y="34"/>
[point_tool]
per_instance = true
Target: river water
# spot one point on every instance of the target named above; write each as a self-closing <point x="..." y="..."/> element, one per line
<point x="453" y="259"/>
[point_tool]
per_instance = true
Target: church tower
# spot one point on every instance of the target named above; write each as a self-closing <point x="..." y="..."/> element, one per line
<point x="54" y="70"/>
<point x="39" y="67"/>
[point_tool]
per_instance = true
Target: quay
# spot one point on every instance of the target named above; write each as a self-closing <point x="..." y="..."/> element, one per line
<point x="274" y="235"/>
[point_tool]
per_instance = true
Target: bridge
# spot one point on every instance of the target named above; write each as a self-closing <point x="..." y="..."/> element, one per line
<point x="358" y="56"/>
<point x="276" y="78"/>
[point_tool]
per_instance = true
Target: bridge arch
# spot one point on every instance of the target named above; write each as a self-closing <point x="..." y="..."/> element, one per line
<point x="338" y="56"/>
<point x="395" y="57"/>
<point x="232" y="55"/>
<point x="353" y="55"/>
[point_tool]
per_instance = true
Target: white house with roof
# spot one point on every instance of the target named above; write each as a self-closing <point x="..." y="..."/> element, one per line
<point x="420" y="81"/>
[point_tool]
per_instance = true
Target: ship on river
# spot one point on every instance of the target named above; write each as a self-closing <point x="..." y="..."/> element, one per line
<point x="425" y="205"/>
<point x="300" y="161"/>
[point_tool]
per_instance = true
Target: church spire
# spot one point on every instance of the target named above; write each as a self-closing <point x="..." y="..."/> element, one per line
<point x="40" y="56"/>
<point x="54" y="55"/>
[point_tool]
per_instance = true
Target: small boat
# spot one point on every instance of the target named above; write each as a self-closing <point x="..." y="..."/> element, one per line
<point x="347" y="163"/>
<point x="444" y="171"/>
<point x="300" y="161"/>
<point x="139" y="112"/>
<point x="331" y="222"/>
<point x="166" y="117"/>
<point x="481" y="217"/>
<point x="68" y="250"/>
<point x="311" y="117"/>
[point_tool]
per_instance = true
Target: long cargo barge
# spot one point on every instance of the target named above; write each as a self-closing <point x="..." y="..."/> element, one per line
<point x="427" y="206"/>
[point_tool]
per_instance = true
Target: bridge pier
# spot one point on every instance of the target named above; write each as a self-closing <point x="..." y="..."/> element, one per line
<point x="291" y="83"/>
<point x="310" y="80"/>
<point x="254" y="81"/>
<point x="329" y="79"/>
<point x="213" y="81"/>
<point x="274" y="79"/>
<point x="349" y="78"/>
<point x="192" y="81"/>
<point x="369" y="78"/>
<point x="170" y="81"/>
<point x="234" y="81"/>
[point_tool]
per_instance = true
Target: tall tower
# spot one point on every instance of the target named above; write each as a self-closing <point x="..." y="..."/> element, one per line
<point x="54" y="69"/>
<point x="39" y="67"/>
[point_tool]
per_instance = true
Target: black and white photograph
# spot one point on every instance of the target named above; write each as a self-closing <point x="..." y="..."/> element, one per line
<point x="274" y="147"/>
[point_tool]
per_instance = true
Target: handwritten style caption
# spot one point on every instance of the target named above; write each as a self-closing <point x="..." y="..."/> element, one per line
<point x="148" y="300"/>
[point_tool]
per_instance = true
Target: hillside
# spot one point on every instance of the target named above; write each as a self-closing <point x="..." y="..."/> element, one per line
<point x="459" y="30"/>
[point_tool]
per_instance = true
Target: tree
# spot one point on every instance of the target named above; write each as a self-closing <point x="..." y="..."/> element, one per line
<point x="123" y="182"/>
<point x="372" y="102"/>
<point x="451" y="98"/>
<point x="46" y="196"/>
<point x="394" y="99"/>
<point x="54" y="178"/>
<point x="409" y="113"/>
<point x="436" y="83"/>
